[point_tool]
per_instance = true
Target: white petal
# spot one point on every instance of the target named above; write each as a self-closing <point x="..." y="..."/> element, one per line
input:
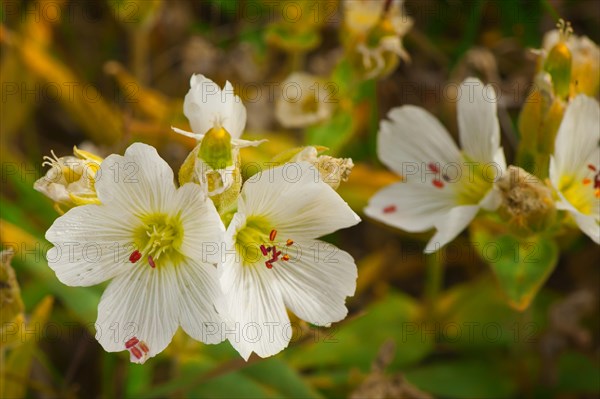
<point x="143" y="303"/>
<point x="316" y="281"/>
<point x="140" y="181"/>
<point x="239" y="143"/>
<point x="411" y="137"/>
<point x="198" y="292"/>
<point x="577" y="138"/>
<point x="477" y="120"/>
<point x="205" y="103"/>
<point x="203" y="229"/>
<point x="295" y="199"/>
<point x="451" y="225"/>
<point x="412" y="206"/>
<point x="91" y="244"/>
<point x="188" y="134"/>
<point x="253" y="310"/>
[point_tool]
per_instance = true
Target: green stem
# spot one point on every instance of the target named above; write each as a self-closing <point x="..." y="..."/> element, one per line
<point x="434" y="281"/>
<point x="138" y="39"/>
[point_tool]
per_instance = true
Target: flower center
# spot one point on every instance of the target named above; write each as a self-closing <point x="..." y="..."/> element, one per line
<point x="158" y="239"/>
<point x="470" y="180"/>
<point x="582" y="193"/>
<point x="256" y="242"/>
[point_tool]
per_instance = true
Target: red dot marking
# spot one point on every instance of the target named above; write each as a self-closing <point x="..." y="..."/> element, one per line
<point x="389" y="209"/>
<point x="135" y="256"/>
<point x="433" y="167"/>
<point x="132" y="342"/>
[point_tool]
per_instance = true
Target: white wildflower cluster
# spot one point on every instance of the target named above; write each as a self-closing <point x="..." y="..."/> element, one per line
<point x="174" y="261"/>
<point x="444" y="187"/>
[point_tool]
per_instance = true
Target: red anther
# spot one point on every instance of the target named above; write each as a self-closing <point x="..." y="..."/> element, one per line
<point x="389" y="209"/>
<point x="133" y="341"/>
<point x="586" y="181"/>
<point x="289" y="242"/>
<point x="135" y="256"/>
<point x="269" y="264"/>
<point x="269" y="249"/>
<point x="273" y="234"/>
<point x="286" y="257"/>
<point x="433" y="167"/>
<point x="263" y="250"/>
<point x="437" y="183"/>
<point x="144" y="347"/>
<point x="151" y="262"/>
<point x="136" y="352"/>
<point x="597" y="181"/>
<point x="591" y="167"/>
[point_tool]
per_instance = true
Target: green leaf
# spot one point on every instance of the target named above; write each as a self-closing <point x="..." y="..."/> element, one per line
<point x="333" y="134"/>
<point x="521" y="266"/>
<point x="473" y="326"/>
<point x="269" y="378"/>
<point x="357" y="342"/>
<point x="463" y="379"/>
<point x="578" y="373"/>
<point x="14" y="378"/>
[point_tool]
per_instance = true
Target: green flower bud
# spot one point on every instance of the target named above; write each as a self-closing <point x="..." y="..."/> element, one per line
<point x="558" y="65"/>
<point x="215" y="148"/>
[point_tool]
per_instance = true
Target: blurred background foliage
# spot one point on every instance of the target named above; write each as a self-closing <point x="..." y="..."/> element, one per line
<point x="104" y="74"/>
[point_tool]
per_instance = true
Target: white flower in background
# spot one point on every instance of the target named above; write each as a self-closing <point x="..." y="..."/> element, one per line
<point x="442" y="186"/>
<point x="219" y="114"/>
<point x="575" y="165"/>
<point x="585" y="56"/>
<point x="304" y="101"/>
<point x="70" y="180"/>
<point x="378" y="32"/>
<point x="147" y="236"/>
<point x="273" y="259"/>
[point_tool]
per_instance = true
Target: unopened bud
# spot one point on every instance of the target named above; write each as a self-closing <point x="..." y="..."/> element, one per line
<point x="558" y="65"/>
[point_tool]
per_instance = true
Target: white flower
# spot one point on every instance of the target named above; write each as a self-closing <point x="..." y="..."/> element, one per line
<point x="304" y="101"/>
<point x="575" y="166"/>
<point x="378" y="33"/>
<point x="274" y="260"/>
<point x="442" y="187"/>
<point x="221" y="114"/>
<point x="147" y="236"/>
<point x="207" y="106"/>
<point x="70" y="180"/>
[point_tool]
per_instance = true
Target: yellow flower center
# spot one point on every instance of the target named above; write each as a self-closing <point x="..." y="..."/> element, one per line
<point x="158" y="240"/>
<point x="584" y="193"/>
<point x="256" y="243"/>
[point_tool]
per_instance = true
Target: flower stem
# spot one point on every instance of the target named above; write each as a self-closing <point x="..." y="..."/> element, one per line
<point x="434" y="281"/>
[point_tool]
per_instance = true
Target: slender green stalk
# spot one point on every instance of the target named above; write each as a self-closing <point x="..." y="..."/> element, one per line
<point x="434" y="281"/>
